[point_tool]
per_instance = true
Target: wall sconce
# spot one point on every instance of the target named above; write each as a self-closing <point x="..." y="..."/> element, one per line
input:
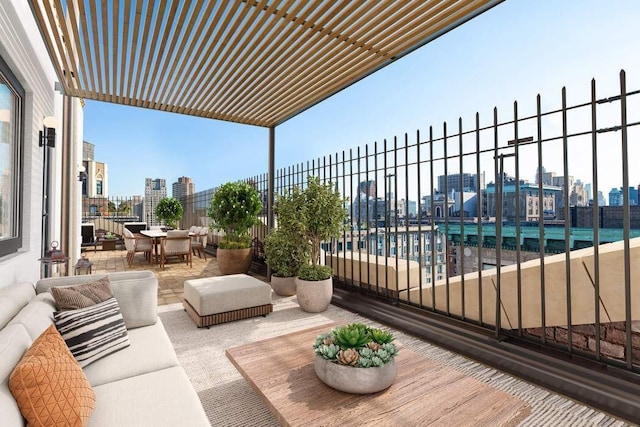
<point x="82" y="174"/>
<point x="48" y="134"/>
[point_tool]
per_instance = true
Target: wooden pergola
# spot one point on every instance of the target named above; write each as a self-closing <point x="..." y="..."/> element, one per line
<point x="253" y="62"/>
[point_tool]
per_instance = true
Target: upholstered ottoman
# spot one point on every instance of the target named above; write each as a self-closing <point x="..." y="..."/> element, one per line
<point x="220" y="299"/>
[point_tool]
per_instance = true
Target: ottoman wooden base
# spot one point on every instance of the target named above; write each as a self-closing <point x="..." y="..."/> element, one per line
<point x="229" y="316"/>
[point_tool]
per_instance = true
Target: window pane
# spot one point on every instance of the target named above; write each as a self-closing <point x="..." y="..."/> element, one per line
<point x="8" y="202"/>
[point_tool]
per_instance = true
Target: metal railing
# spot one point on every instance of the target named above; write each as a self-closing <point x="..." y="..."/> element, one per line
<point x="423" y="199"/>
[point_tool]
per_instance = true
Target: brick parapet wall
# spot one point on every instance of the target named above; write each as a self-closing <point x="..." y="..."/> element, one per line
<point x="613" y="338"/>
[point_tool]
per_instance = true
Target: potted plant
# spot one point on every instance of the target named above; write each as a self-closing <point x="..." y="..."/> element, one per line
<point x="284" y="247"/>
<point x="234" y="208"/>
<point x="321" y="217"/>
<point x="169" y="211"/>
<point x="356" y="358"/>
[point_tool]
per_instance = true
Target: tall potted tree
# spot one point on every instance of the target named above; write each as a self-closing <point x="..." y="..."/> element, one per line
<point x="234" y="208"/>
<point x="321" y="216"/>
<point x="169" y="211"/>
<point x="285" y="249"/>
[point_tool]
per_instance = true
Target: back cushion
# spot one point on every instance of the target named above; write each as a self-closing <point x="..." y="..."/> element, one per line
<point x="14" y="342"/>
<point x="37" y="315"/>
<point x="12" y="299"/>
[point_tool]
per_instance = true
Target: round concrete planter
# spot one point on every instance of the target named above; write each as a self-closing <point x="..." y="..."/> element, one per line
<point x="233" y="261"/>
<point x="355" y="380"/>
<point x="283" y="286"/>
<point x="314" y="296"/>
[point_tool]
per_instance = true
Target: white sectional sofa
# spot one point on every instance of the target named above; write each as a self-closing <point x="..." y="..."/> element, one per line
<point x="141" y="385"/>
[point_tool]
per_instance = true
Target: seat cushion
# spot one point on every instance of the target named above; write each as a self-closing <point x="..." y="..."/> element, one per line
<point x="160" y="398"/>
<point x="49" y="385"/>
<point x="150" y="350"/>
<point x="92" y="333"/>
<point x="220" y="294"/>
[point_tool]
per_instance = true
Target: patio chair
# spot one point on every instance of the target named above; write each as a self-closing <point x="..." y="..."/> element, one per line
<point x="199" y="242"/>
<point x="136" y="243"/>
<point x="176" y="244"/>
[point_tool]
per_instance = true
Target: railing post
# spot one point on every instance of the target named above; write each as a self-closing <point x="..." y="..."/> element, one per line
<point x="270" y="185"/>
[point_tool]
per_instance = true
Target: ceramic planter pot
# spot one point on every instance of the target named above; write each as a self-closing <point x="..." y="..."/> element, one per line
<point x="233" y="261"/>
<point x="283" y="286"/>
<point x="355" y="380"/>
<point x="314" y="296"/>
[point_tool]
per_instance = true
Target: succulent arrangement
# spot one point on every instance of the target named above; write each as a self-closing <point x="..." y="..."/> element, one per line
<point x="356" y="345"/>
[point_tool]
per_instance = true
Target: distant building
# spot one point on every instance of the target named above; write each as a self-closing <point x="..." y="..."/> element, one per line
<point x="470" y="183"/>
<point x="97" y="183"/>
<point x="184" y="187"/>
<point x="154" y="191"/>
<point x="531" y="209"/>
<point x="615" y="197"/>
<point x="602" y="201"/>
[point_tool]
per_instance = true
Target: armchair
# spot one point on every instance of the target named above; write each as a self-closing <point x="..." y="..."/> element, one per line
<point x="136" y="243"/>
<point x="176" y="244"/>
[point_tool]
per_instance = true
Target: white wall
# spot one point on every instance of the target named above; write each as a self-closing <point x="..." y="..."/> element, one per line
<point x="23" y="50"/>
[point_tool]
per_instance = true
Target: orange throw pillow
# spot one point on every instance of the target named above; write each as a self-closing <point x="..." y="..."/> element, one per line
<point x="49" y="386"/>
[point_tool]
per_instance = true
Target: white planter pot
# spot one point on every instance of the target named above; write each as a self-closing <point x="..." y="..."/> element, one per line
<point x="355" y="380"/>
<point x="314" y="296"/>
<point x="283" y="286"/>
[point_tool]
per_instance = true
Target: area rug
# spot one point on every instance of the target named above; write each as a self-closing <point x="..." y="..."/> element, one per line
<point x="229" y="400"/>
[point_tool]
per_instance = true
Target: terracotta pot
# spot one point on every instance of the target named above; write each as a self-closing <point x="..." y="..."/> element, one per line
<point x="234" y="261"/>
<point x="314" y="296"/>
<point x="355" y="380"/>
<point x="283" y="286"/>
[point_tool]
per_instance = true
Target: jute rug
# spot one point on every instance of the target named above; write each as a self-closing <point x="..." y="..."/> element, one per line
<point x="230" y="401"/>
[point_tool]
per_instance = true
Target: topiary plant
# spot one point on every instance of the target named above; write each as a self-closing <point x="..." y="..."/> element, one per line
<point x="321" y="217"/>
<point x="285" y="253"/>
<point x="234" y="208"/>
<point x="169" y="211"/>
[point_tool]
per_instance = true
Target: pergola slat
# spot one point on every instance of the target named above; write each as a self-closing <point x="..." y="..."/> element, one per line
<point x="257" y="62"/>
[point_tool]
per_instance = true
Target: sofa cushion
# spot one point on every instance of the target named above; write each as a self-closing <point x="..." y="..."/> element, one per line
<point x="49" y="385"/>
<point x="160" y="398"/>
<point x="81" y="296"/>
<point x="37" y="315"/>
<point x="14" y="342"/>
<point x="150" y="350"/>
<point x="136" y="292"/>
<point x="12" y="299"/>
<point x="94" y="332"/>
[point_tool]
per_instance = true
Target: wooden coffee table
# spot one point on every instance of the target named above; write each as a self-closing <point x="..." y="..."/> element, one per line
<point x="425" y="392"/>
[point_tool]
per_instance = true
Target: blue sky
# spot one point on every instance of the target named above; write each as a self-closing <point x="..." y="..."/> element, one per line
<point x="514" y="51"/>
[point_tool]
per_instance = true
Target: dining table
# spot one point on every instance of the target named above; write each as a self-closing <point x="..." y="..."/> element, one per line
<point x="157" y="235"/>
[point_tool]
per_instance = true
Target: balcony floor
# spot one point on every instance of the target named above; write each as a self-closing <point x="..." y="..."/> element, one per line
<point x="229" y="400"/>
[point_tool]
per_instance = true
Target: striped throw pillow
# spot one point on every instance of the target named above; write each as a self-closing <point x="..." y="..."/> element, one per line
<point x="94" y="332"/>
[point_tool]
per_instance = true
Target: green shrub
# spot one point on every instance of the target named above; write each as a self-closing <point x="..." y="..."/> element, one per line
<point x="169" y="210"/>
<point x="234" y="208"/>
<point x="315" y="272"/>
<point x="284" y="252"/>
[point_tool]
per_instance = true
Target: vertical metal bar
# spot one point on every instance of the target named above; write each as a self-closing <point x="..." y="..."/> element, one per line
<point x="351" y="189"/>
<point x="567" y="219"/>
<point x="387" y="207"/>
<point x="518" y="217"/>
<point x="367" y="187"/>
<point x="359" y="228"/>
<point x="626" y="217"/>
<point x="337" y="242"/>
<point x="479" y="215"/>
<point x="344" y="232"/>
<point x="460" y="254"/>
<point x="395" y="206"/>
<point x="596" y="217"/>
<point x="541" y="202"/>
<point x="434" y="239"/>
<point x="446" y="218"/>
<point x="375" y="210"/>
<point x="498" y="165"/>
<point x="406" y="213"/>
<point x="419" y="202"/>
<point x="271" y="183"/>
